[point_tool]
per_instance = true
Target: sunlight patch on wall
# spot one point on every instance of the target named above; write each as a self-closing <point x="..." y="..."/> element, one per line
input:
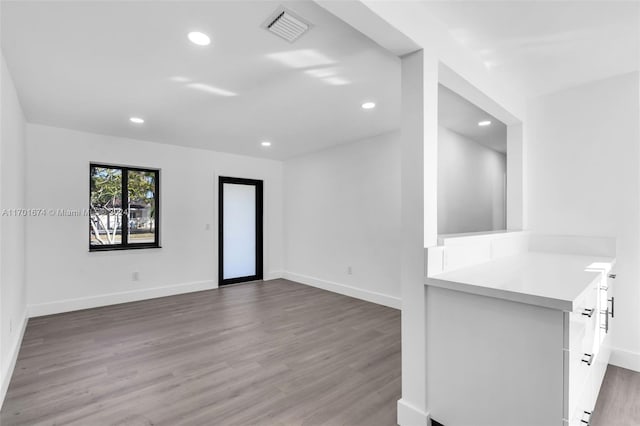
<point x="304" y="58"/>
<point x="211" y="89"/>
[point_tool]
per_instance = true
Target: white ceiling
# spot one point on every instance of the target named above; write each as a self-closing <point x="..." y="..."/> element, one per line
<point x="547" y="45"/>
<point x="461" y="116"/>
<point x="91" y="65"/>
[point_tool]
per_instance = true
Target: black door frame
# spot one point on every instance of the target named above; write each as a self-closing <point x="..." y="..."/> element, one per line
<point x="259" y="229"/>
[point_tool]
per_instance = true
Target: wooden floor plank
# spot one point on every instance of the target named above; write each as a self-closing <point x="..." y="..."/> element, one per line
<point x="267" y="353"/>
<point x="619" y="399"/>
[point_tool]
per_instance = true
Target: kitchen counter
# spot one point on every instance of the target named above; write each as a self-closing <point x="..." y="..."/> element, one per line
<point x="549" y="280"/>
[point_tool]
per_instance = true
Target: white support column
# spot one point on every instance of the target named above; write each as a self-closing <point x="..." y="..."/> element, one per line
<point x="419" y="224"/>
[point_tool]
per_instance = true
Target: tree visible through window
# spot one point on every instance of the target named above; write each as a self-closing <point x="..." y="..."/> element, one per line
<point x="124" y="207"/>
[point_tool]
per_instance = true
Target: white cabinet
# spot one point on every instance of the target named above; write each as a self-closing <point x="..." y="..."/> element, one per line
<point x="587" y="349"/>
<point x="521" y="340"/>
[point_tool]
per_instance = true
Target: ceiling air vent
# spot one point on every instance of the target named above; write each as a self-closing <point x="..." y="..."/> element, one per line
<point x="285" y="24"/>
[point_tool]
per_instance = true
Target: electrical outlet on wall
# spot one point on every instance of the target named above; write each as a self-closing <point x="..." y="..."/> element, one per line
<point x="10" y="326"/>
<point x="135" y="276"/>
<point x="349" y="270"/>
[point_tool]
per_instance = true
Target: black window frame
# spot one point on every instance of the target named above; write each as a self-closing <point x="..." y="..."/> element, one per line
<point x="124" y="239"/>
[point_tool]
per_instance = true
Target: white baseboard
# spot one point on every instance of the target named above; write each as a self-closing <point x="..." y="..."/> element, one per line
<point x="273" y="275"/>
<point x="69" y="305"/>
<point x="347" y="290"/>
<point x="15" y="349"/>
<point x="409" y="415"/>
<point x="625" y="359"/>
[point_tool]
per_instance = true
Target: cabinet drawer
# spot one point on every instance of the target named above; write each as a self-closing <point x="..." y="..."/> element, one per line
<point x="578" y="380"/>
<point x="583" y="347"/>
<point x="586" y="396"/>
<point x="606" y="304"/>
<point x="599" y="368"/>
<point x="583" y="323"/>
<point x="583" y="408"/>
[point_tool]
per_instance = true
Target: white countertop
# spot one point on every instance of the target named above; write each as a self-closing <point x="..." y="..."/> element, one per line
<point x="544" y="279"/>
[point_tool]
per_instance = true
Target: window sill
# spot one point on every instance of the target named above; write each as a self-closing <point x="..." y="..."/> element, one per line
<point x="116" y="248"/>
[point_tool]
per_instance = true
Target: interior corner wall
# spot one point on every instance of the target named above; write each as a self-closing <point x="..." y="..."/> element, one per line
<point x="12" y="228"/>
<point x="62" y="274"/>
<point x="342" y="210"/>
<point x="471" y="185"/>
<point x="583" y="162"/>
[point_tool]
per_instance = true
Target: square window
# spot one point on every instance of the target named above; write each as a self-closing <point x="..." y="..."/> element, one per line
<point x="124" y="208"/>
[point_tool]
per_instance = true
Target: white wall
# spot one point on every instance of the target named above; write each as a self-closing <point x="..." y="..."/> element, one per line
<point x="342" y="208"/>
<point x="420" y="78"/>
<point x="583" y="164"/>
<point x="471" y="185"/>
<point x="12" y="228"/>
<point x="63" y="275"/>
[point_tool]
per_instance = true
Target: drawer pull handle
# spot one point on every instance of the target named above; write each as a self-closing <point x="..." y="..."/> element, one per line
<point x="604" y="288"/>
<point x="587" y="422"/>
<point x="587" y="361"/>
<point x="612" y="276"/>
<point x="588" y="312"/>
<point x="605" y="327"/>
<point x="613" y="306"/>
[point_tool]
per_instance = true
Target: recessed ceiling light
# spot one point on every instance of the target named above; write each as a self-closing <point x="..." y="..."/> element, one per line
<point x="265" y="143"/>
<point x="368" y="105"/>
<point x="136" y="120"/>
<point x="484" y="123"/>
<point x="201" y="39"/>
